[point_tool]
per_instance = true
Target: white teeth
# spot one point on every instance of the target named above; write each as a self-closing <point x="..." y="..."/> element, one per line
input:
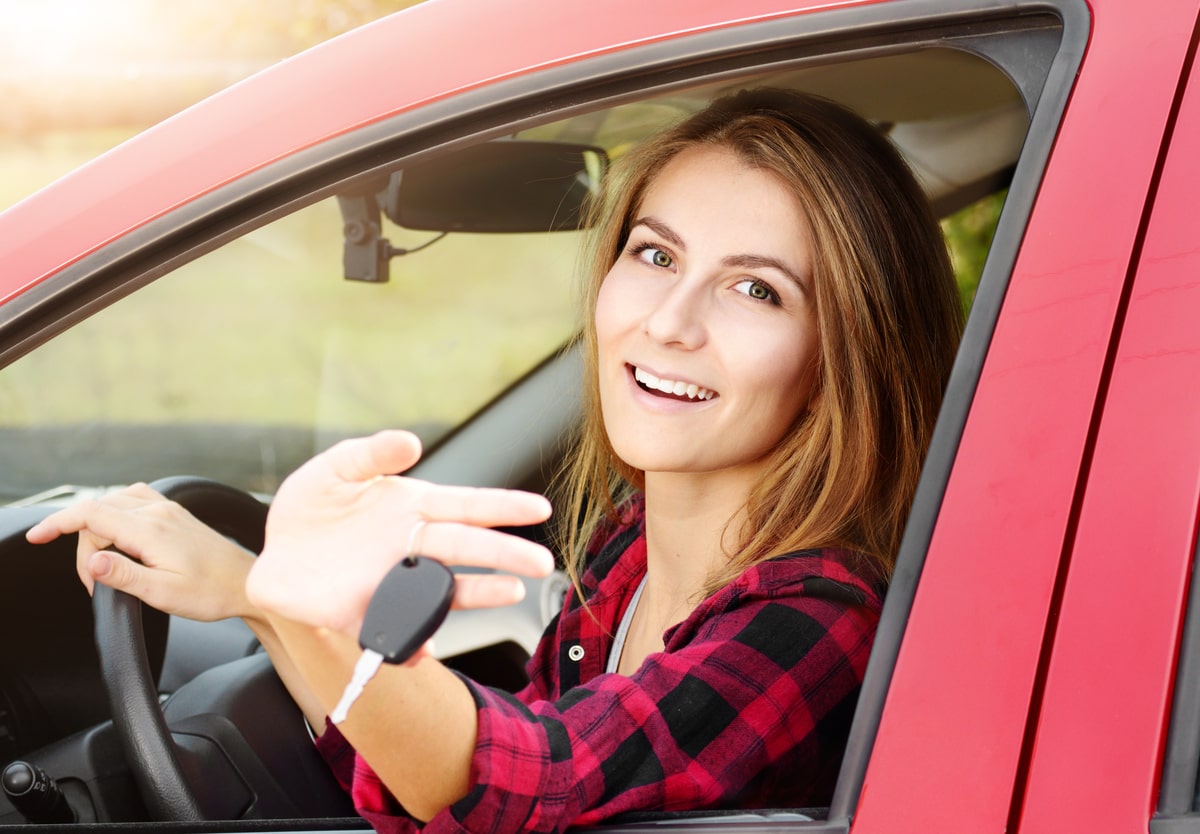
<point x="670" y="386"/>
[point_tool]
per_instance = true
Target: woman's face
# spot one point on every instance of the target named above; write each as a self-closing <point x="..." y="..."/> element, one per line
<point x="706" y="324"/>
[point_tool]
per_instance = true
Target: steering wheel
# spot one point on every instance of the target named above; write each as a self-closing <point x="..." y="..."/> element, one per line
<point x="167" y="769"/>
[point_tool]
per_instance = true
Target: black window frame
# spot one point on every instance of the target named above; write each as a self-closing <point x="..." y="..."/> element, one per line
<point x="1178" y="810"/>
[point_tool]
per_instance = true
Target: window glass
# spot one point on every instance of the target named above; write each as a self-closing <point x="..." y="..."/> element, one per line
<point x="243" y="363"/>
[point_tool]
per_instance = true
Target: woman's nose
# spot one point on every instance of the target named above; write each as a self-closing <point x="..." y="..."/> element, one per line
<point x="677" y="316"/>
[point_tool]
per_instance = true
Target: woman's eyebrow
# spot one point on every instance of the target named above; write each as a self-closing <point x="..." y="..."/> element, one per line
<point x="661" y="229"/>
<point x="764" y="262"/>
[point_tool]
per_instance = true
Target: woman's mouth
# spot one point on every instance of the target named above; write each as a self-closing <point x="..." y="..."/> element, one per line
<point x="672" y="388"/>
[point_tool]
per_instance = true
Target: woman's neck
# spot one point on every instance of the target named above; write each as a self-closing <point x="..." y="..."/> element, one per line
<point x="688" y="530"/>
<point x="687" y="516"/>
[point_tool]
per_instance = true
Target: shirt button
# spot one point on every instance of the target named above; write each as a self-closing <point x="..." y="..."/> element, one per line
<point x="575" y="653"/>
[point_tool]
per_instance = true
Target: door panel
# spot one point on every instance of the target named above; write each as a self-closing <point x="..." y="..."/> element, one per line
<point x="1096" y="758"/>
<point x="948" y="750"/>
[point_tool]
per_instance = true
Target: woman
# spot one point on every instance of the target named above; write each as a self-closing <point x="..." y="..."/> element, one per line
<point x="771" y="319"/>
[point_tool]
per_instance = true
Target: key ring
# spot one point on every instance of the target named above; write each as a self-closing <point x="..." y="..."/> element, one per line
<point x="412" y="538"/>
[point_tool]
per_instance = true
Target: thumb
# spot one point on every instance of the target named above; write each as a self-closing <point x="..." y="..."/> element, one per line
<point x="113" y="570"/>
<point x="385" y="453"/>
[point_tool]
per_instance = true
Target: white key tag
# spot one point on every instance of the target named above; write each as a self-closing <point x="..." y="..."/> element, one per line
<point x="406" y="609"/>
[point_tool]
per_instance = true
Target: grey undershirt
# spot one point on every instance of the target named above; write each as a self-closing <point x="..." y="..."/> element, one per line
<point x="614" y="656"/>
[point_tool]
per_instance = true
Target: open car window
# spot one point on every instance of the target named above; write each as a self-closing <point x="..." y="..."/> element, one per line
<point x="245" y="362"/>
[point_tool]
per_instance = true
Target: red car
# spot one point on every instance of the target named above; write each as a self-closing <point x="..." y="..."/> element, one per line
<point x="343" y="243"/>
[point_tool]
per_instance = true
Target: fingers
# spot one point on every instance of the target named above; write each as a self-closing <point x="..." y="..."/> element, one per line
<point x="465" y="545"/>
<point x="483" y="507"/>
<point x="107" y="521"/>
<point x="167" y="558"/>
<point x="79" y="516"/>
<point x="55" y="525"/>
<point x="83" y="552"/>
<point x="350" y="501"/>
<point x="481" y="590"/>
<point x="98" y="523"/>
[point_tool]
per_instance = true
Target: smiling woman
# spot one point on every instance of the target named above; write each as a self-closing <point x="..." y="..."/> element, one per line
<point x="734" y="556"/>
<point x="181" y="300"/>
<point x="707" y="296"/>
<point x="840" y="454"/>
<point x="730" y="567"/>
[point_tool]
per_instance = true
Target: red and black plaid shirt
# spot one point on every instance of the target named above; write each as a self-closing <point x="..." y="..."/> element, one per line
<point x="748" y="705"/>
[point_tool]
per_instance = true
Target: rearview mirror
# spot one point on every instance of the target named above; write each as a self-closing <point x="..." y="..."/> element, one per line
<point x="505" y="186"/>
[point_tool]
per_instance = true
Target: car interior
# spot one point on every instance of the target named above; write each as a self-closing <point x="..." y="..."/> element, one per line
<point x="416" y="291"/>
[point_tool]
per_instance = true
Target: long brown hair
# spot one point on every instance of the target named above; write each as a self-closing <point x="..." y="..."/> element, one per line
<point x="888" y="315"/>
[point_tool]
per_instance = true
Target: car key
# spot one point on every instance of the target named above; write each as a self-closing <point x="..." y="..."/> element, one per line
<point x="405" y="610"/>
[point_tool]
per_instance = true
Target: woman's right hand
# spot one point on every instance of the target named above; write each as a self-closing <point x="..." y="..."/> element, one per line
<point x="179" y="564"/>
<point x="341" y="521"/>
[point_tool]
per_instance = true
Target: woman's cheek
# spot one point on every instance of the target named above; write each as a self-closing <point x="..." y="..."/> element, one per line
<point x="614" y="305"/>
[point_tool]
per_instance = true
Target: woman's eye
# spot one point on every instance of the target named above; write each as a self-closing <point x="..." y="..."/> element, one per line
<point x="656" y="257"/>
<point x="757" y="290"/>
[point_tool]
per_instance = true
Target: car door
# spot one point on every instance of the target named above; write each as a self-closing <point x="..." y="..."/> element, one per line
<point x="1106" y="694"/>
<point x="969" y="739"/>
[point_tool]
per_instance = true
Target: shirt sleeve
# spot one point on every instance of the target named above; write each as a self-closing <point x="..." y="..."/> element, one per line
<point x="749" y="710"/>
<point x="371" y="798"/>
<point x="338" y="754"/>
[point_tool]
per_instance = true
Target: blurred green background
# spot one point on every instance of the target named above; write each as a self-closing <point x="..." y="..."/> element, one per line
<point x="79" y="76"/>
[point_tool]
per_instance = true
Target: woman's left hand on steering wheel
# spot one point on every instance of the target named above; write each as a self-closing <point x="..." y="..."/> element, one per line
<point x="168" y="558"/>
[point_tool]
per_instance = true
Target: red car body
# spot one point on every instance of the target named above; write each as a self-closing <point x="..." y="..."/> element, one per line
<point x="1033" y="672"/>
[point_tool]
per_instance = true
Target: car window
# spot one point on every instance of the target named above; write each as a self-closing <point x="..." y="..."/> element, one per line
<point x="243" y="363"/>
<point x="246" y="361"/>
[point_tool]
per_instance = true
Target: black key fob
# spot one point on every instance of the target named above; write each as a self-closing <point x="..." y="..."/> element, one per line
<point x="407" y="608"/>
